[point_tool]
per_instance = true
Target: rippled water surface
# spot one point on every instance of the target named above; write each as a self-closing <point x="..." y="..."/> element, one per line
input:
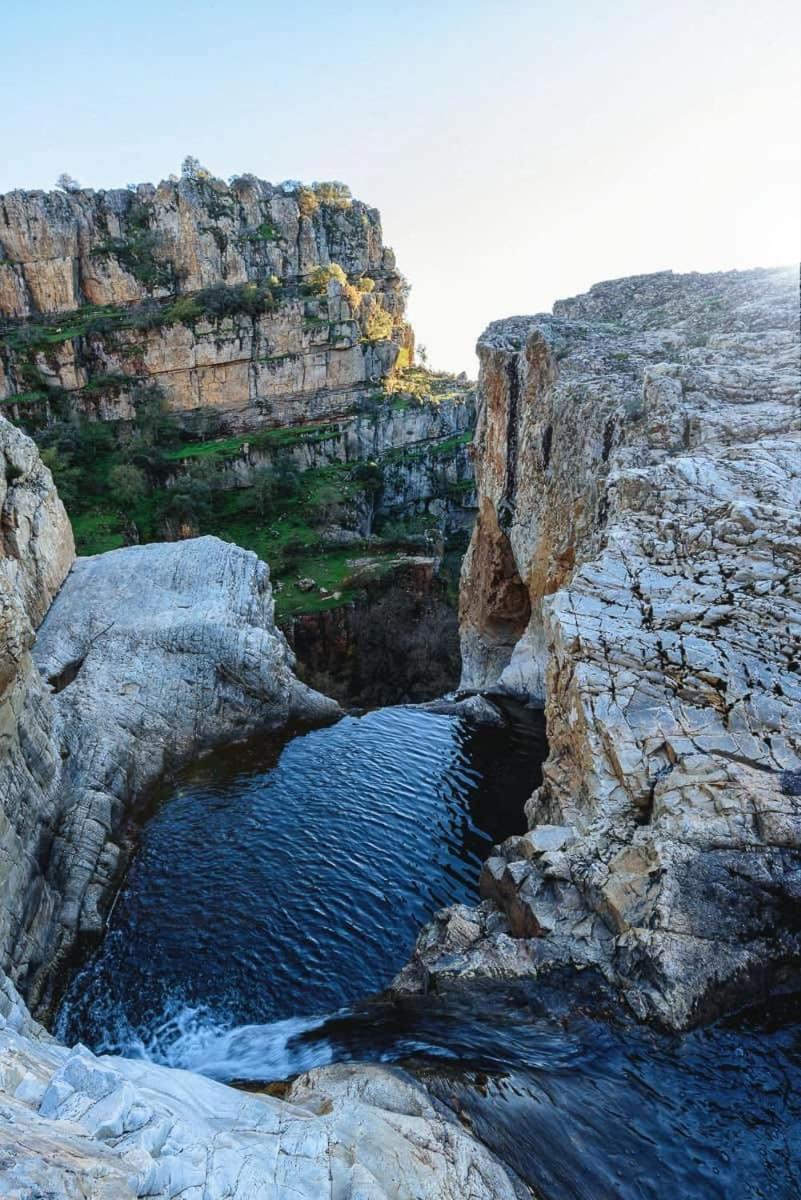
<point x="282" y="882"/>
<point x="278" y="884"/>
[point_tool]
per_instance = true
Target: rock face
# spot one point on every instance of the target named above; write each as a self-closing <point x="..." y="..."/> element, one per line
<point x="265" y="348"/>
<point x="147" y="656"/>
<point x="36" y="552"/>
<point x="422" y="449"/>
<point x="635" y="564"/>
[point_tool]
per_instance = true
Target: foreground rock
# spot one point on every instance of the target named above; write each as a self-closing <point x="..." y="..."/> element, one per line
<point x="635" y="565"/>
<point x="73" y="1125"/>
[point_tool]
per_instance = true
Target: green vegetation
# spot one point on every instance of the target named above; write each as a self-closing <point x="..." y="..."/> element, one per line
<point x="26" y="339"/>
<point x="220" y="301"/>
<point x="319" y="279"/>
<point x="333" y="193"/>
<point x="150" y="478"/>
<point x="139" y="251"/>
<point x="263" y="233"/>
<point x="378" y="326"/>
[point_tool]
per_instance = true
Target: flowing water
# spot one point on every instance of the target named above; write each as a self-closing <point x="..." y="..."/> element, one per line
<point x="278" y="887"/>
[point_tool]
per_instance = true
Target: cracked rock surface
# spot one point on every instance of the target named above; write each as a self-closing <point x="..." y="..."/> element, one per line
<point x="636" y="568"/>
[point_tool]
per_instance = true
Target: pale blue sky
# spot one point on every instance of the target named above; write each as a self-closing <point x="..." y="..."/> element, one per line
<point x="518" y="151"/>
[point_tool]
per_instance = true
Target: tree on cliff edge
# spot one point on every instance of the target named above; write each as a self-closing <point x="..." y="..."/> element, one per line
<point x="67" y="183"/>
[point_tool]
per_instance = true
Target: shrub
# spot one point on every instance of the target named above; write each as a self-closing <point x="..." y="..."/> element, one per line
<point x="154" y="423"/>
<point x="189" y="502"/>
<point x="307" y="202"/>
<point x="378" y="326"/>
<point x="66" y="475"/>
<point x="221" y="301"/>
<point x="317" y="282"/>
<point x="265" y="233"/>
<point x="137" y="254"/>
<point x="286" y="478"/>
<point x="263" y="490"/>
<point x="192" y="168"/>
<point x="128" y="484"/>
<point x="148" y="315"/>
<point x="333" y="193"/>
<point x="370" y="477"/>
<point x="365" y="284"/>
<point x="352" y="295"/>
<point x="185" y="310"/>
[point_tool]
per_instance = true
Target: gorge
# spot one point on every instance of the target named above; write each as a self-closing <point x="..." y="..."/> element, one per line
<point x="616" y="1012"/>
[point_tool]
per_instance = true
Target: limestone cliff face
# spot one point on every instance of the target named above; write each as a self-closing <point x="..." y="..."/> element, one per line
<point x="112" y="263"/>
<point x="636" y="565"/>
<point x="146" y="656"/>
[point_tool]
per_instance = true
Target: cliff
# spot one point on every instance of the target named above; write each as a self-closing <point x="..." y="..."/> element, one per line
<point x="246" y="303"/>
<point x="635" y="565"/>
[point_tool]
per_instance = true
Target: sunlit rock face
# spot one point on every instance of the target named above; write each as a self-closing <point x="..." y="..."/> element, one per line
<point x="301" y="355"/>
<point x="635" y="567"/>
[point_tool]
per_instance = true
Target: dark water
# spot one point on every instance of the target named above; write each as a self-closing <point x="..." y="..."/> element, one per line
<point x="274" y="887"/>
<point x="285" y="882"/>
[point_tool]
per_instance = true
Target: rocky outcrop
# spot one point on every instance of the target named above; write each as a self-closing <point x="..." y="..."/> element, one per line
<point x="146" y="657"/>
<point x="36" y="552"/>
<point x="421" y="448"/>
<point x="73" y="1125"/>
<point x="104" y="291"/>
<point x="635" y="565"/>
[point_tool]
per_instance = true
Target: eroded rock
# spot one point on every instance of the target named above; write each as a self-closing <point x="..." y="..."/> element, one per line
<point x="638" y="458"/>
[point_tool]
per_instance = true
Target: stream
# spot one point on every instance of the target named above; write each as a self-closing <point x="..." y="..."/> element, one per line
<point x="279" y="887"/>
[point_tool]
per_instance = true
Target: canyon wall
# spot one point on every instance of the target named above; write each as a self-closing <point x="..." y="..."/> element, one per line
<point x="635" y="566"/>
<point x="219" y="294"/>
<point x="396" y="642"/>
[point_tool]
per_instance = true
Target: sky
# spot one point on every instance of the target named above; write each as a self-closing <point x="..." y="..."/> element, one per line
<point x="518" y="151"/>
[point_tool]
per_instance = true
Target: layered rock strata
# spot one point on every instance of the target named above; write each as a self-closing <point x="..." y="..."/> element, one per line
<point x="423" y="450"/>
<point x="635" y="566"/>
<point x="272" y="351"/>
